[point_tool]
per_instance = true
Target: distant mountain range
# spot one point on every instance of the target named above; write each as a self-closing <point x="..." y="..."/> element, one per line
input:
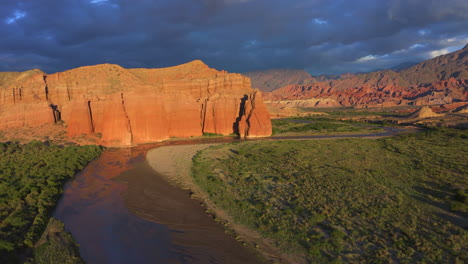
<point x="403" y="66"/>
<point x="270" y="80"/>
<point x="441" y="80"/>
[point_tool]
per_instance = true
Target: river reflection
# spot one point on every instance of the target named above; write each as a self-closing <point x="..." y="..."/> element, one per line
<point x="93" y="210"/>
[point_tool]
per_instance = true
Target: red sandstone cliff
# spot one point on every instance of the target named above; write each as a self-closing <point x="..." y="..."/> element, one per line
<point x="133" y="106"/>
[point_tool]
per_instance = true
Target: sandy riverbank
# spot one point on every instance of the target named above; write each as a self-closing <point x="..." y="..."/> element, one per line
<point x="174" y="163"/>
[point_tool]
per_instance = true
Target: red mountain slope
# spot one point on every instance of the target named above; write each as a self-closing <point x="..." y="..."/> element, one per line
<point x="441" y="80"/>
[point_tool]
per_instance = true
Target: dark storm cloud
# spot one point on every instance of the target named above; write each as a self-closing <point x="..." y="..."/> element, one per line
<point x="236" y="35"/>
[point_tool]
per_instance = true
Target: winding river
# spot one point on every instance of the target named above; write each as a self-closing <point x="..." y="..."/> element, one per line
<point x="94" y="211"/>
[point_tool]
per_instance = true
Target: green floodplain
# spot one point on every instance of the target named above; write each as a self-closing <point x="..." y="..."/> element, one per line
<point x="398" y="199"/>
<point x="32" y="177"/>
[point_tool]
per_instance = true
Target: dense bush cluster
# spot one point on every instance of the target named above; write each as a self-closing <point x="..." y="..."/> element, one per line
<point x="347" y="200"/>
<point x="31" y="181"/>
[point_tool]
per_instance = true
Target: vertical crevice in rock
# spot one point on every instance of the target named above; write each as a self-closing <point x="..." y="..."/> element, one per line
<point x="56" y="113"/>
<point x="203" y="114"/>
<point x="252" y="108"/>
<point x="68" y="92"/>
<point x="247" y="117"/>
<point x="46" y="88"/>
<point x="90" y="117"/>
<point x="16" y="93"/>
<point x="208" y="89"/>
<point x="128" y="119"/>
<point x="235" y="125"/>
<point x="213" y="117"/>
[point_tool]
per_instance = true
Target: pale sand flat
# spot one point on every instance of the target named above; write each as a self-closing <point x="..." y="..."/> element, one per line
<point x="175" y="163"/>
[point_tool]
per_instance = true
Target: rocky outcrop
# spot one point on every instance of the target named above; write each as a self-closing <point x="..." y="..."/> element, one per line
<point x="133" y="106"/>
<point x="23" y="100"/>
<point x="463" y="110"/>
<point x="424" y="112"/>
<point x="253" y="116"/>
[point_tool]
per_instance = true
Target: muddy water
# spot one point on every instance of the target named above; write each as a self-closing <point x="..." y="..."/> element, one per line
<point x="195" y="237"/>
<point x="120" y="211"/>
<point x="93" y="210"/>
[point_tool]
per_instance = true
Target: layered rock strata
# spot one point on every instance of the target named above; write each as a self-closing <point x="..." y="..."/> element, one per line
<point x="367" y="95"/>
<point x="441" y="80"/>
<point x="134" y="106"/>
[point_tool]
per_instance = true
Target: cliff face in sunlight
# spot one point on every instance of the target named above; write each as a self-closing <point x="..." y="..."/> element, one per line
<point x="133" y="106"/>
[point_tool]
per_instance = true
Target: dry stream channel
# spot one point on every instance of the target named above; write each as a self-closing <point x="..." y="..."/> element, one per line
<point x="121" y="211"/>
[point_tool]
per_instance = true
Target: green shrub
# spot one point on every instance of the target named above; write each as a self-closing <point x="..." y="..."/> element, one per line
<point x="31" y="181"/>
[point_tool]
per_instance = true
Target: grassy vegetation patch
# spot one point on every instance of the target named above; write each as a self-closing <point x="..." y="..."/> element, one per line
<point x="31" y="181"/>
<point x="212" y="135"/>
<point x="353" y="112"/>
<point x="318" y="126"/>
<point x="348" y="200"/>
<point x="56" y="246"/>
